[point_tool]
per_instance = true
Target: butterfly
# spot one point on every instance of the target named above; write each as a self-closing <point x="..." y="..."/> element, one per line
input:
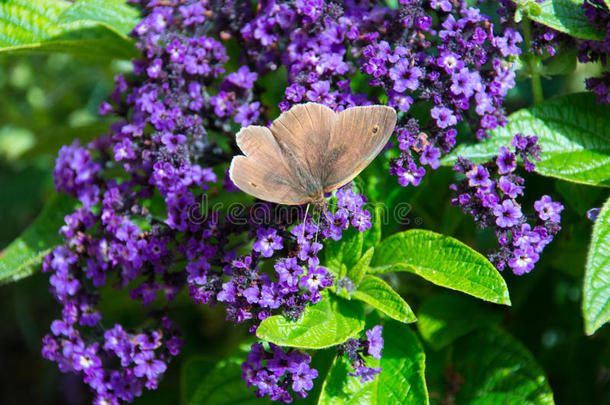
<point x="308" y="151"/>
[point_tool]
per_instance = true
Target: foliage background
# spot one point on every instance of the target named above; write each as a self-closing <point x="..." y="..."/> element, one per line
<point x="49" y="100"/>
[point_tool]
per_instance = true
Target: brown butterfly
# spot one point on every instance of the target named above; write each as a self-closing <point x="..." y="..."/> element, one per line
<point x="309" y="150"/>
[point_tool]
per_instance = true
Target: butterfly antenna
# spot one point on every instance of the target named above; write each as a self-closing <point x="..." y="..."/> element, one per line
<point x="317" y="228"/>
<point x="305" y="221"/>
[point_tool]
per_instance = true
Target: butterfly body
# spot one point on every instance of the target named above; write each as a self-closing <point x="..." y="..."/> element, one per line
<point x="309" y="150"/>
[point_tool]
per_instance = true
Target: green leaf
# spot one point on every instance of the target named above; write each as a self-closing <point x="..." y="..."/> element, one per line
<point x="573" y="131"/>
<point x="400" y="382"/>
<point x="93" y="28"/>
<point x="378" y="294"/>
<point x="441" y="260"/>
<point x="330" y="322"/>
<point x="566" y="16"/>
<point x="444" y="318"/>
<point x="345" y="251"/>
<point x="596" y="288"/>
<point x="529" y="7"/>
<point x="207" y="383"/>
<point x="357" y="272"/>
<point x="497" y="369"/>
<point x="115" y="15"/>
<point x="24" y="255"/>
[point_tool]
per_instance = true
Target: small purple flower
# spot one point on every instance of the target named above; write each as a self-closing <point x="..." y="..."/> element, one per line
<point x="506" y="161"/>
<point x="227" y="294"/>
<point x="449" y="61"/>
<point x="444" y="116"/>
<point x="316" y="279"/>
<point x="268" y="241"/>
<point x="247" y="113"/>
<point x="547" y="209"/>
<point x="430" y="156"/>
<point x="154" y="70"/>
<point x="365" y="373"/>
<point x="302" y="378"/>
<point x="288" y="271"/>
<point x="508" y="214"/>
<point x="411" y="175"/>
<point x="171" y="141"/>
<point x="375" y="341"/>
<point x="523" y="260"/>
<point x="478" y="177"/>
<point x="147" y="365"/>
<point x="242" y="78"/>
<point x="404" y="76"/>
<point x="465" y="83"/>
<point x="509" y="188"/>
<point x="270" y="296"/>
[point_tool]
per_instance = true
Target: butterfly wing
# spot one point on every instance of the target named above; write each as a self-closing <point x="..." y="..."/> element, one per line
<point x="356" y="138"/>
<point x="303" y="134"/>
<point x="263" y="171"/>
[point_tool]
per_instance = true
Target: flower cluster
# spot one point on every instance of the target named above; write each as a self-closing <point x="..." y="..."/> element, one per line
<point x="144" y="225"/>
<point x="545" y="41"/>
<point x="597" y="51"/>
<point x="355" y="350"/>
<point x="159" y="155"/>
<point x="276" y="371"/>
<point x="439" y="52"/>
<point x="489" y="193"/>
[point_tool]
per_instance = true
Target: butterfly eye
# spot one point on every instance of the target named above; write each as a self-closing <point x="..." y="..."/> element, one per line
<point x="375" y="130"/>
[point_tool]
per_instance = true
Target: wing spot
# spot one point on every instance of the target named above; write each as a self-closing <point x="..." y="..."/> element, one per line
<point x="375" y="130"/>
<point x="252" y="184"/>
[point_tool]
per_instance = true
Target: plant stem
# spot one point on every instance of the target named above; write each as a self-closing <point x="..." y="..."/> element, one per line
<point x="532" y="62"/>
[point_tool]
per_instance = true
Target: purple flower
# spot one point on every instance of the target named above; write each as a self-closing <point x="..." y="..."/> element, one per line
<point x="449" y="61"/>
<point x="523" y="260"/>
<point x="465" y="83"/>
<point x="509" y="188"/>
<point x="508" y="214"/>
<point x="506" y="161"/>
<point x="171" y="141"/>
<point x="444" y="5"/>
<point x="507" y="44"/>
<point x="430" y="156"/>
<point x="547" y="209"/>
<point x="147" y="365"/>
<point x="365" y="373"/>
<point x="478" y="177"/>
<point x="316" y="279"/>
<point x="154" y="70"/>
<point x="227" y="294"/>
<point x="444" y="116"/>
<point x="375" y="341"/>
<point x="411" y="175"/>
<point x="310" y="8"/>
<point x="268" y="241"/>
<point x="270" y="296"/>
<point x="247" y="113"/>
<point x="302" y="378"/>
<point x="242" y="78"/>
<point x="266" y="382"/>
<point x="405" y="77"/>
<point x="288" y="271"/>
